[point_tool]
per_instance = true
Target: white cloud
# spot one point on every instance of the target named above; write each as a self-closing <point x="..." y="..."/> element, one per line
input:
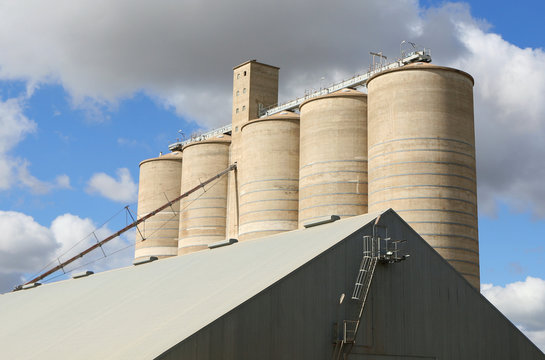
<point x="14" y="127"/>
<point x="24" y="243"/>
<point x="523" y="302"/>
<point x="123" y="189"/>
<point x="509" y="116"/>
<point x="68" y="229"/>
<point x="102" y="52"/>
<point x="36" y="186"/>
<point x="63" y="181"/>
<point x="26" y="247"/>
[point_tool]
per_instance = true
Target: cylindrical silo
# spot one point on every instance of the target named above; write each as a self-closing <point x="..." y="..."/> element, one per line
<point x="333" y="160"/>
<point x="203" y="213"/>
<point x="160" y="180"/>
<point x="269" y="175"/>
<point x="422" y="157"/>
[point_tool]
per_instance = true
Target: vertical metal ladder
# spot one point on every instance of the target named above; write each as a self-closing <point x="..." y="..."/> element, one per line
<point x="361" y="290"/>
<point x="375" y="249"/>
<point x="363" y="280"/>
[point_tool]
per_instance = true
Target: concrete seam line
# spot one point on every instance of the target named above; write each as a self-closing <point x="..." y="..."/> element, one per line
<point x="327" y="194"/>
<point x="263" y="190"/>
<point x="265" y="210"/>
<point x="423" y="197"/>
<point x="422" y="138"/>
<point x="266" y="180"/>
<point x="330" y="161"/>
<point x="452" y="235"/>
<point x="333" y="172"/>
<point x="411" y="150"/>
<point x="423" y="162"/>
<point x="424" y="185"/>
<point x="439" y="210"/>
<point x="334" y="182"/>
<point x="334" y="204"/>
<point x="433" y="174"/>
<point x="456" y="248"/>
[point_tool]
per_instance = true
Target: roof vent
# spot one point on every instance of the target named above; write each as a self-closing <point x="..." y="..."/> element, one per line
<point x="145" y="260"/>
<point x="222" y="243"/>
<point x="82" y="274"/>
<point x="322" y="220"/>
<point x="30" y="286"/>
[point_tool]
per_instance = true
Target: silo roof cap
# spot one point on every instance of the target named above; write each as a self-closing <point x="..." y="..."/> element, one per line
<point x="175" y="155"/>
<point x="346" y="92"/>
<point x="282" y="115"/>
<point x="422" y="66"/>
<point x="218" y="139"/>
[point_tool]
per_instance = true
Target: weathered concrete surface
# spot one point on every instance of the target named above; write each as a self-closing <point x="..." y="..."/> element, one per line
<point x="333" y="160"/>
<point x="203" y="213"/>
<point x="422" y="157"/>
<point x="160" y="180"/>
<point x="269" y="175"/>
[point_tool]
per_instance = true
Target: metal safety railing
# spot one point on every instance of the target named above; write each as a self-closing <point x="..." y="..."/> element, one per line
<point x="375" y="249"/>
<point x="355" y="81"/>
<point x="423" y="55"/>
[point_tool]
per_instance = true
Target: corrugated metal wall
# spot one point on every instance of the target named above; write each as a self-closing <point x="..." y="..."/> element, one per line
<point x="419" y="308"/>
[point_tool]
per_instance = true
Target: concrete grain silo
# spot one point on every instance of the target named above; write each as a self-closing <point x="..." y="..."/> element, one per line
<point x="333" y="156"/>
<point x="203" y="213"/>
<point x="269" y="175"/>
<point x="422" y="157"/>
<point x="160" y="180"/>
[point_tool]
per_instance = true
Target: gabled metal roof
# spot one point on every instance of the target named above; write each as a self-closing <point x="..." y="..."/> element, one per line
<point x="140" y="312"/>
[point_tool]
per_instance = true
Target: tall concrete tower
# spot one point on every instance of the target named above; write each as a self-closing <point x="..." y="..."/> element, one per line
<point x="254" y="84"/>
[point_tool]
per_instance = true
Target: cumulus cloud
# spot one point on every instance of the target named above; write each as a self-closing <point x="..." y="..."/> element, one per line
<point x="523" y="302"/>
<point x="14" y="126"/>
<point x="36" y="186"/>
<point x="509" y="116"/>
<point x="22" y="235"/>
<point x="123" y="189"/>
<point x="26" y="247"/>
<point x="102" y="52"/>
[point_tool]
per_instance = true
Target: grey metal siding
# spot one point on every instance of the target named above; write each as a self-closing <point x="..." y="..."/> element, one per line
<point x="418" y="309"/>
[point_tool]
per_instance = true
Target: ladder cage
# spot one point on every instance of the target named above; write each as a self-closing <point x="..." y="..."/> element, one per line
<point x="375" y="249"/>
<point x="349" y="330"/>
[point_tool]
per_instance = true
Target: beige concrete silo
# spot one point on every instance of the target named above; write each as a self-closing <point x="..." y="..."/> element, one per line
<point x="269" y="175"/>
<point x="333" y="160"/>
<point x="160" y="180"/>
<point x="422" y="157"/>
<point x="203" y="213"/>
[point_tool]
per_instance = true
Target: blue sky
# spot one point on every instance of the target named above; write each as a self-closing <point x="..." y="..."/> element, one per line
<point x="88" y="91"/>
